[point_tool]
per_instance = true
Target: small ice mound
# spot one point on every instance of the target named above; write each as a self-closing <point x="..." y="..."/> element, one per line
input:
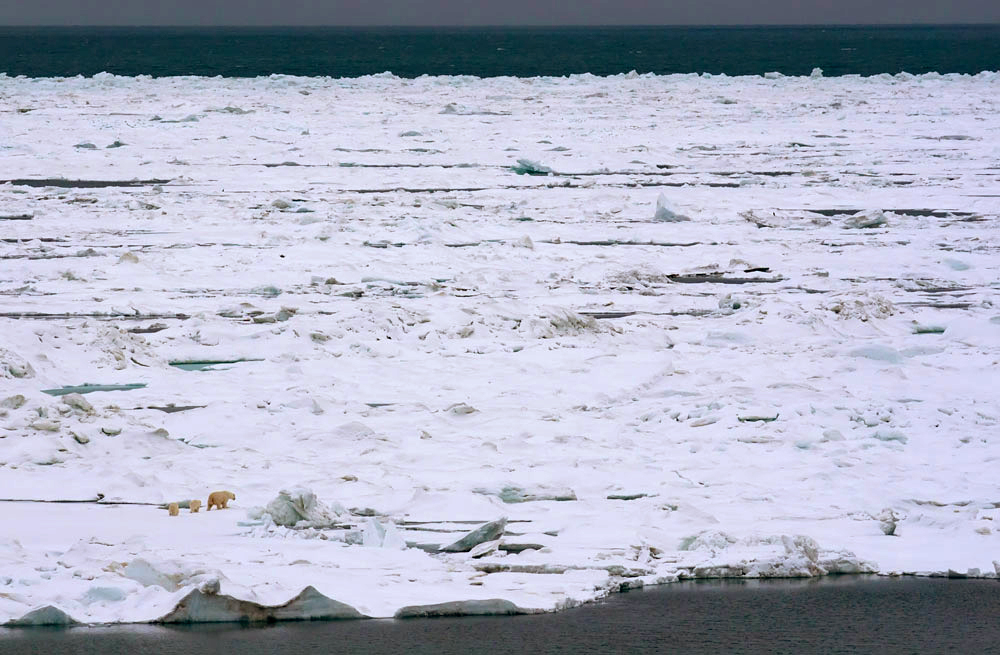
<point x="489" y="607"/>
<point x="48" y="615"/>
<point x="299" y="508"/>
<point x="666" y="213"/>
<point x="208" y="606"/>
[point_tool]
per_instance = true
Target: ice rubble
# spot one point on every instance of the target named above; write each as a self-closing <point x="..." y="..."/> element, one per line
<point x="789" y="385"/>
<point x="781" y="556"/>
<point x="299" y="508"/>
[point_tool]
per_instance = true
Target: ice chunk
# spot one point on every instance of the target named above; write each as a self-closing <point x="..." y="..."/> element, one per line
<point x="491" y="531"/>
<point x="888" y="519"/>
<point x="665" y="212"/>
<point x="382" y="535"/>
<point x="461" y="409"/>
<point x="513" y="494"/>
<point x="13" y="402"/>
<point x="78" y="402"/>
<point x="490" y="607"/>
<point x="868" y="219"/>
<point x="484" y="549"/>
<point x="530" y="167"/>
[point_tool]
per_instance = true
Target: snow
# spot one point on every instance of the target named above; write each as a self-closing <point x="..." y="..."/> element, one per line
<point x="339" y="299"/>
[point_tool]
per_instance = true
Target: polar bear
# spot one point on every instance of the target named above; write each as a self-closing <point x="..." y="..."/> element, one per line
<point x="195" y="506"/>
<point x="219" y="499"/>
<point x="172" y="509"/>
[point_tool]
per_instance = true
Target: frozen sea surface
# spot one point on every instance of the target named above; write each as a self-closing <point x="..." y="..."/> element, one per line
<point x="667" y="327"/>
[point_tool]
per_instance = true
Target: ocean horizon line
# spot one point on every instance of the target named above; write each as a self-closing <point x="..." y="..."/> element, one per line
<point x="455" y="26"/>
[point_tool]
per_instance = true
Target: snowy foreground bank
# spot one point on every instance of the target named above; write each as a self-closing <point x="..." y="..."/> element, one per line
<point x="646" y="327"/>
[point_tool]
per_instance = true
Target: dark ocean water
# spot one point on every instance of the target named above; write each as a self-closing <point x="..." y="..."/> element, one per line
<point x="834" y="615"/>
<point x="487" y="52"/>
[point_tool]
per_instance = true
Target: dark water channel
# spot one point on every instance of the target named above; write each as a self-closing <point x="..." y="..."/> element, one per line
<point x="836" y="615"/>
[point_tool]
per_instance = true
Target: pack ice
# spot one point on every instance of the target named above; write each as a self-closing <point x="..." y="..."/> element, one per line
<point x="464" y="346"/>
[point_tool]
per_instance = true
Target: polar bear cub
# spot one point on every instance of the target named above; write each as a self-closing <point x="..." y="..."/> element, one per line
<point x="219" y="499"/>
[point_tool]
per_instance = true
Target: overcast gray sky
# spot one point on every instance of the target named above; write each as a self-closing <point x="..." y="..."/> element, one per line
<point x="493" y="12"/>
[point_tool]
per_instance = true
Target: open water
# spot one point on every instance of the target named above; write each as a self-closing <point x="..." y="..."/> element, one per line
<point x="830" y="615"/>
<point x="488" y="52"/>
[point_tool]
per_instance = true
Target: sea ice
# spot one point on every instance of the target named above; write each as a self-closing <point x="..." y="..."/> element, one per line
<point x="799" y="382"/>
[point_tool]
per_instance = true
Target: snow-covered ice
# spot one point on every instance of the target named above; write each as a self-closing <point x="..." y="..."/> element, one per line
<point x="400" y="310"/>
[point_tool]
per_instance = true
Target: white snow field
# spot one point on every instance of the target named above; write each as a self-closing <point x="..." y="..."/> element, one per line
<point x="666" y="327"/>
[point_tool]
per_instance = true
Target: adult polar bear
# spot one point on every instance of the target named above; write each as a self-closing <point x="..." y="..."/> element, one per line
<point x="219" y="499"/>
